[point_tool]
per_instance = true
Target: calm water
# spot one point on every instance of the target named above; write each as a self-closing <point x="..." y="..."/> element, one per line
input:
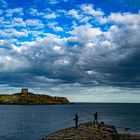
<point x="31" y="122"/>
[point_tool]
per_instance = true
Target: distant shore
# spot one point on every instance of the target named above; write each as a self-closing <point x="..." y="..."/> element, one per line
<point x="27" y="98"/>
<point x="86" y="131"/>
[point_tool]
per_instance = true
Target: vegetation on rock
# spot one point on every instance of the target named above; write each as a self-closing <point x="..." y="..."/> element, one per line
<point x="30" y="98"/>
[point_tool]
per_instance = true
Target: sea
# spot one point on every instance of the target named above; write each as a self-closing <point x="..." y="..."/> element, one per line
<point x="33" y="122"/>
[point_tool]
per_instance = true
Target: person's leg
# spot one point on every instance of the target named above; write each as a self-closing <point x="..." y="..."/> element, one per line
<point x="76" y="124"/>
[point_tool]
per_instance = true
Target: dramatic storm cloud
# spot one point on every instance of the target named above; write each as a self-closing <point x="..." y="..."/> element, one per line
<point x="74" y="48"/>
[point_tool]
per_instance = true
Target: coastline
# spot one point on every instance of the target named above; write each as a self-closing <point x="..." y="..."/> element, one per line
<point x="27" y="98"/>
<point x="86" y="131"/>
<point x="35" y="104"/>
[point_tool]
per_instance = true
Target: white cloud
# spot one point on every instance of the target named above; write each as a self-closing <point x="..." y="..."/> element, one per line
<point x="85" y="19"/>
<point x="18" y="22"/>
<point x="55" y="27"/>
<point x="85" y="33"/>
<point x="91" y="72"/>
<point x="36" y="23"/>
<point x="6" y="43"/>
<point x="23" y="33"/>
<point x="35" y="12"/>
<point x="12" y="33"/>
<point x="87" y="55"/>
<point x="50" y="15"/>
<point x="58" y="50"/>
<point x="84" y="13"/>
<point x="11" y="63"/>
<point x="4" y="34"/>
<point x="46" y="80"/>
<point x="56" y="1"/>
<point x="61" y="62"/>
<point x="121" y="18"/>
<point x="75" y="14"/>
<point x="53" y="1"/>
<point x="58" y="29"/>
<point x="89" y="10"/>
<point x="17" y="11"/>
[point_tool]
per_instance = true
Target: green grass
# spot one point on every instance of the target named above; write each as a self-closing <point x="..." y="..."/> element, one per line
<point x="30" y="98"/>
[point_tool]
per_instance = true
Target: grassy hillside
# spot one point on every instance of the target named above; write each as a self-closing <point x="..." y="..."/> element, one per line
<point x="30" y="98"/>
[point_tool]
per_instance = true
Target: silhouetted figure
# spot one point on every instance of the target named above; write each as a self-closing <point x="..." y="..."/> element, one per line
<point x="95" y="118"/>
<point x="76" y="121"/>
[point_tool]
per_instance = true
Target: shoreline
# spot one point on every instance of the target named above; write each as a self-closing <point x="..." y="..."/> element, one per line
<point x="35" y="103"/>
<point x="86" y="131"/>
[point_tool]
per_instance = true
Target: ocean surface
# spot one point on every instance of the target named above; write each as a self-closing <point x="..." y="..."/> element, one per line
<point x="32" y="122"/>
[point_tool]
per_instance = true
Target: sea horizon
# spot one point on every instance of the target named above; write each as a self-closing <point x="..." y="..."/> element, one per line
<point x="65" y="62"/>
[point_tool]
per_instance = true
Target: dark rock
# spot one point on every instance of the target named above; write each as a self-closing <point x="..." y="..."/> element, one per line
<point x="85" y="131"/>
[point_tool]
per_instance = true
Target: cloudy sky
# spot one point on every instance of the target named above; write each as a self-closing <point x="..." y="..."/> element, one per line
<point x="86" y="50"/>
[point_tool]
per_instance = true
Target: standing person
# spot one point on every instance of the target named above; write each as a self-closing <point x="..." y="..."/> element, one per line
<point x="95" y="118"/>
<point x="76" y="121"/>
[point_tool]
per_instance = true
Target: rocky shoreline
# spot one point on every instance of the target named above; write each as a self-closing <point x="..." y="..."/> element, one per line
<point x="86" y="131"/>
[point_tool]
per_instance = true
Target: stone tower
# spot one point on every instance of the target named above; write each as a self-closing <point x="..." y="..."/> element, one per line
<point x="24" y="90"/>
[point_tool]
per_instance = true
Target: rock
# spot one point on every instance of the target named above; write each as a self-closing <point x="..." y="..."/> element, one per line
<point x="126" y="129"/>
<point x="86" y="131"/>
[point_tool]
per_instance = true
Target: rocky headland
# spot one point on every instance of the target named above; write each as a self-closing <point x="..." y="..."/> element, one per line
<point x="25" y="97"/>
<point x="86" y="131"/>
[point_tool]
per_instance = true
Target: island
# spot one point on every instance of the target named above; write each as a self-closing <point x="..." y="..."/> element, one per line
<point x="28" y="98"/>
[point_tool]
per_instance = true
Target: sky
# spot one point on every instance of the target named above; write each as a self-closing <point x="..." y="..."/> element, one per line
<point x="86" y="50"/>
